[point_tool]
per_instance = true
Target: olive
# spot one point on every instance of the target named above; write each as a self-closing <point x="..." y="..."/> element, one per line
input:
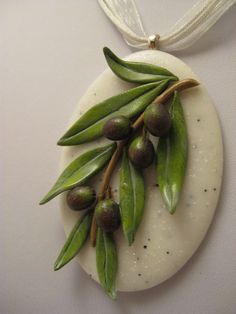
<point x="81" y="197"/>
<point x="141" y="152"/>
<point x="157" y="119"/>
<point x="117" y="128"/>
<point x="107" y="215"/>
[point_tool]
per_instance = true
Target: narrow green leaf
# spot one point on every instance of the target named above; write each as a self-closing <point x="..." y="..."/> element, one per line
<point x="132" y="198"/>
<point x="75" y="241"/>
<point x="137" y="72"/>
<point x="106" y="260"/>
<point x="172" y="154"/>
<point x="131" y="103"/>
<point x="80" y="170"/>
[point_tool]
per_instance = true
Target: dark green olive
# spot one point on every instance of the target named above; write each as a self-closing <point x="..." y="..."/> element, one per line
<point x="141" y="152"/>
<point x="81" y="197"/>
<point x="157" y="119"/>
<point x="107" y="215"/>
<point x="117" y="128"/>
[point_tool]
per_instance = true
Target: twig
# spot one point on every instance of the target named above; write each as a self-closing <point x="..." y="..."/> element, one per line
<point x="104" y="185"/>
<point x="179" y="86"/>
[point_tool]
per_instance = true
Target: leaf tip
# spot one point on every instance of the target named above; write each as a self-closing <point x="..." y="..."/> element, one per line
<point x="172" y="209"/>
<point x="174" y="78"/>
<point x="57" y="265"/>
<point x="130" y="238"/>
<point x="112" y="294"/>
<point x="43" y="200"/>
<point x="61" y="141"/>
<point x="106" y="50"/>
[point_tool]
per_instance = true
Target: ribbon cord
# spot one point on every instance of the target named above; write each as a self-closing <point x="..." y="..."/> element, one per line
<point x="185" y="32"/>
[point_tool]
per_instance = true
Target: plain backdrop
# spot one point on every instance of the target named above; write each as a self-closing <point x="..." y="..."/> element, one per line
<point x="50" y="52"/>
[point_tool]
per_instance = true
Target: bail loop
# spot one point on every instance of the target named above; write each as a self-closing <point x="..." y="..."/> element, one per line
<point x="153" y="41"/>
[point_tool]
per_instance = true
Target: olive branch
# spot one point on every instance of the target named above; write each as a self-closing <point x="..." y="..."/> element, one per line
<point x="144" y="106"/>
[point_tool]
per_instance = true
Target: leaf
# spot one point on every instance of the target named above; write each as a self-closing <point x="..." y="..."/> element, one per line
<point x="75" y="241"/>
<point x="106" y="260"/>
<point x="136" y="72"/>
<point x="130" y="103"/>
<point x="172" y="154"/>
<point x="132" y="197"/>
<point x="80" y="170"/>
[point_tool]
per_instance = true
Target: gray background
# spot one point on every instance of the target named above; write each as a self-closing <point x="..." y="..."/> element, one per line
<point x="50" y="52"/>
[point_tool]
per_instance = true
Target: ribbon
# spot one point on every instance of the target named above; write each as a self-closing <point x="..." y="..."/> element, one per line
<point x="185" y="32"/>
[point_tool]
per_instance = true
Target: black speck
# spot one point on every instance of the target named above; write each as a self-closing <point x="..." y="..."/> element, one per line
<point x="137" y="258"/>
<point x="198" y="120"/>
<point x="95" y="94"/>
<point x="144" y="246"/>
<point x="156" y="184"/>
<point x="139" y="275"/>
<point x="205" y="190"/>
<point x="115" y="190"/>
<point x="90" y="276"/>
<point x="149" y="239"/>
<point x="167" y="252"/>
<point x="214" y="189"/>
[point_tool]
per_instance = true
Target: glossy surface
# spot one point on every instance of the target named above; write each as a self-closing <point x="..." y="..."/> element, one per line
<point x="130" y="103"/>
<point x="107" y="215"/>
<point x="136" y="72"/>
<point x="80" y="197"/>
<point x="117" y="128"/>
<point x="141" y="152"/>
<point x="157" y="119"/>
<point x="75" y="241"/>
<point x="172" y="156"/>
<point x="132" y="198"/>
<point x="80" y="170"/>
<point x="106" y="261"/>
<point x="164" y="242"/>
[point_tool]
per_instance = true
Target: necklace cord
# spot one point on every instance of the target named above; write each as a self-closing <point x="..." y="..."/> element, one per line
<point x="185" y="32"/>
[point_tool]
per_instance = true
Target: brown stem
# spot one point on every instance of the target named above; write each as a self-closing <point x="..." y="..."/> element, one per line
<point x="179" y="86"/>
<point x="105" y="184"/>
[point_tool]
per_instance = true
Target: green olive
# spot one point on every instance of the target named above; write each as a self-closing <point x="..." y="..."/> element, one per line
<point x="157" y="119"/>
<point x="107" y="215"/>
<point x="81" y="197"/>
<point x="141" y="152"/>
<point x="117" y="128"/>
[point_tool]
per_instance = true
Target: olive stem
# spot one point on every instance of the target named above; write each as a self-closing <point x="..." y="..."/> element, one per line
<point x="178" y="86"/>
<point x="105" y="184"/>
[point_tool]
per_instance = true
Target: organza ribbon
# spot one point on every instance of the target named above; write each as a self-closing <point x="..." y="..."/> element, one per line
<point x="186" y="31"/>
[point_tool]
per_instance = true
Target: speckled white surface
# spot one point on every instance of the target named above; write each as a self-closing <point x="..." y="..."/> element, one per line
<point x="51" y="51"/>
<point x="164" y="242"/>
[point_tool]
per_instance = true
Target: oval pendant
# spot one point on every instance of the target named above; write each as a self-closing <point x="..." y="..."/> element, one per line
<point x="164" y="242"/>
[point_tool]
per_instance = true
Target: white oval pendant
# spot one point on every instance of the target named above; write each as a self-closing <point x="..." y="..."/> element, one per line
<point x="164" y="242"/>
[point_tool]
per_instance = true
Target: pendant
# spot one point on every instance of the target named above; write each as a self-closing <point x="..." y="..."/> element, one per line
<point x="163" y="242"/>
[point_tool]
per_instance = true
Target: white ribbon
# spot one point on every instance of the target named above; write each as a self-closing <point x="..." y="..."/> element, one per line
<point x="203" y="15"/>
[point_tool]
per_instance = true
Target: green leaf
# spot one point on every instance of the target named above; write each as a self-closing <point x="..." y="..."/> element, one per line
<point x="132" y="197"/>
<point x="80" y="170"/>
<point x="172" y="154"/>
<point x="75" y="241"/>
<point x="130" y="103"/>
<point x="137" y="72"/>
<point x="106" y="260"/>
